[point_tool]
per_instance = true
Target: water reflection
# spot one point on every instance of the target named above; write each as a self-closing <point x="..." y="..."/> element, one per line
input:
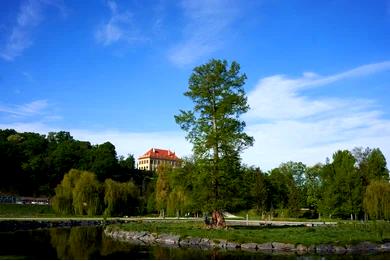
<point x="76" y="243"/>
<point x="91" y="243"/>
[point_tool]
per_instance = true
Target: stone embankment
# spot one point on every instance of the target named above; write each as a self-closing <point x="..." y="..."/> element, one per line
<point x="147" y="238"/>
<point x="13" y="225"/>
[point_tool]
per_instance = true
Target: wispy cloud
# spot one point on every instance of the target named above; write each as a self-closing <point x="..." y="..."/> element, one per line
<point x="120" y="27"/>
<point x="28" y="109"/>
<point x="206" y="24"/>
<point x="30" y="15"/>
<point x="288" y="125"/>
<point x="279" y="97"/>
<point x="28" y="76"/>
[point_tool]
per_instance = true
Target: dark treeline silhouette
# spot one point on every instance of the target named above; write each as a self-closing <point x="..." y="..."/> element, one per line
<point x="33" y="164"/>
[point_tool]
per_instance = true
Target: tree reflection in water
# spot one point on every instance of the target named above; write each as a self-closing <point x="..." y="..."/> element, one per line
<point x="76" y="243"/>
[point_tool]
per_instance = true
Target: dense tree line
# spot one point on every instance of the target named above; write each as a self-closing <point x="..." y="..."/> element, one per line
<point x="350" y="186"/>
<point x="34" y="164"/>
<point x="81" y="193"/>
<point x="353" y="184"/>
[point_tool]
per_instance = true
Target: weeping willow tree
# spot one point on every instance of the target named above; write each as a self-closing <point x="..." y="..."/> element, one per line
<point x="62" y="202"/>
<point x="78" y="193"/>
<point x="86" y="194"/>
<point x="120" y="198"/>
<point x="178" y="202"/>
<point x="377" y="200"/>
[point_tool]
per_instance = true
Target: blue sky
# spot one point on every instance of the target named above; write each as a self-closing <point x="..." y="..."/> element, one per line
<point x="318" y="71"/>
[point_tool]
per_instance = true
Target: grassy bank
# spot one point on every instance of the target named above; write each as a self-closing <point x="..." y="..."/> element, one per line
<point x="25" y="211"/>
<point x="342" y="234"/>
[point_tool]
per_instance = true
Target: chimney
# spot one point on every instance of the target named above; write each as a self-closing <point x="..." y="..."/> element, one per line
<point x="153" y="150"/>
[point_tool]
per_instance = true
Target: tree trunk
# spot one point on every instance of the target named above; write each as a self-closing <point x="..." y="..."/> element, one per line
<point x="215" y="146"/>
<point x="217" y="219"/>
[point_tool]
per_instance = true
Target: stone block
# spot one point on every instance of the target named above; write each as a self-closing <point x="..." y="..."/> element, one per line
<point x="282" y="246"/>
<point x="250" y="246"/>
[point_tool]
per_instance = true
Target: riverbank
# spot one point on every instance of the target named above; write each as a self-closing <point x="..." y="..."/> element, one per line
<point x="341" y="239"/>
<point x="10" y="225"/>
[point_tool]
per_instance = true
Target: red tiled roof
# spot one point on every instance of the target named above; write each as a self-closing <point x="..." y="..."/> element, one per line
<point x="159" y="154"/>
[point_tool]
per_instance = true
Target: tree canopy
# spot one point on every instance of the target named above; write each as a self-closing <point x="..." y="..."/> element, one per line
<point x="213" y="125"/>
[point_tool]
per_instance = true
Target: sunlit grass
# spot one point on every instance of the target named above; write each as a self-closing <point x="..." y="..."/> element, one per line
<point x="342" y="234"/>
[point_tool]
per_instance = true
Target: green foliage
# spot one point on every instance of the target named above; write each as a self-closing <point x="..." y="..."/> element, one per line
<point x="213" y="126"/>
<point x="81" y="193"/>
<point x="105" y="163"/>
<point x="312" y="186"/>
<point x="62" y="202"/>
<point x="162" y="186"/>
<point x="376" y="166"/>
<point x="377" y="200"/>
<point x="34" y="164"/>
<point x="120" y="198"/>
<point x="128" y="163"/>
<point x="86" y="194"/>
<point x="342" y="190"/>
<point x="254" y="182"/>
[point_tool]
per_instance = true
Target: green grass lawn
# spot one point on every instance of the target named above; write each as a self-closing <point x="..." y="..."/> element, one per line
<point x="19" y="211"/>
<point x="342" y="234"/>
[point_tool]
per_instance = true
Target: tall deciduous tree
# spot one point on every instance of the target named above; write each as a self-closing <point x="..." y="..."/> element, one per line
<point x="312" y="186"/>
<point x="342" y="186"/>
<point x="162" y="187"/>
<point x="213" y="125"/>
<point x="377" y="169"/>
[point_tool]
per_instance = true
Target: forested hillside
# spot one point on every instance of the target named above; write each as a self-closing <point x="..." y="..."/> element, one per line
<point x="34" y="164"/>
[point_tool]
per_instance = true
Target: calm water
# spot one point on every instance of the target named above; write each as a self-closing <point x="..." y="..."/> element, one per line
<point x="91" y="243"/>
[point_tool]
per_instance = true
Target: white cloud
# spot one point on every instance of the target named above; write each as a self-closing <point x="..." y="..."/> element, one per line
<point x="29" y="16"/>
<point x="137" y="143"/>
<point x="206" y="24"/>
<point x="279" y="97"/>
<point x="28" y="109"/>
<point x="290" y="126"/>
<point x="120" y="27"/>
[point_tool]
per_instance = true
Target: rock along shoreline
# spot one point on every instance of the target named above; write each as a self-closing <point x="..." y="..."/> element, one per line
<point x="169" y="240"/>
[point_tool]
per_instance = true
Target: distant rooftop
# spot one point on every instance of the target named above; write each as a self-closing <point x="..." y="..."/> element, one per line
<point x="159" y="154"/>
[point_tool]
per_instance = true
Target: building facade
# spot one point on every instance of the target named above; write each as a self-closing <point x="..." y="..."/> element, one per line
<point x="156" y="157"/>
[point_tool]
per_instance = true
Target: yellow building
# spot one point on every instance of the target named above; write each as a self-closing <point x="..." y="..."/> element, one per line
<point x="155" y="157"/>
